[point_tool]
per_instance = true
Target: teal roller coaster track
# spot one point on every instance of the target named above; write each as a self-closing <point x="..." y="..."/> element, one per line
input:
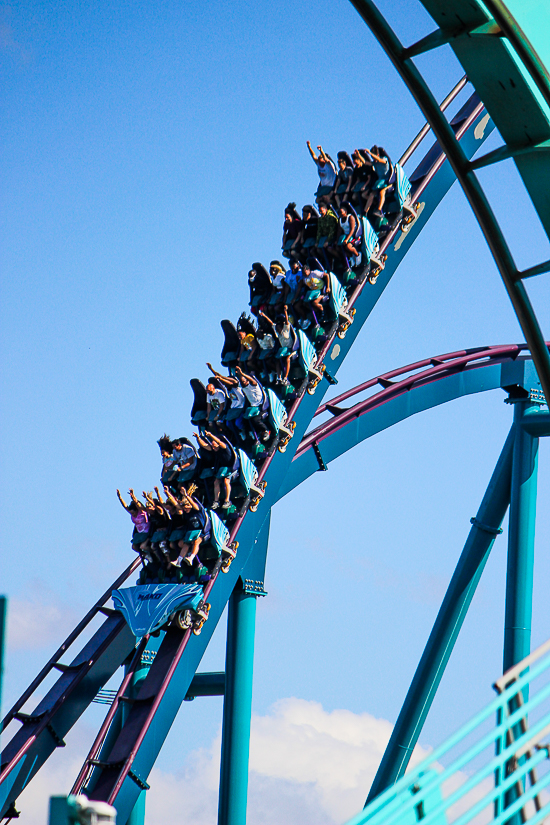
<point x="507" y="70"/>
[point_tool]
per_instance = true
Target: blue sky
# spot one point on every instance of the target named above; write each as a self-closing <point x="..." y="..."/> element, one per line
<point x="149" y="152"/>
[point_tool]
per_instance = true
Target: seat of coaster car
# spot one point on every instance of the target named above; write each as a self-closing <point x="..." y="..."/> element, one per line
<point x="231" y="344"/>
<point x="262" y="284"/>
<point x="198" y="410"/>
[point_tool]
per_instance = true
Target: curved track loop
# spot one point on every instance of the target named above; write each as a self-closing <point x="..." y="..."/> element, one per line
<point x="432" y="369"/>
<point x="457" y="26"/>
<point x="126" y="764"/>
<point x="435" y="381"/>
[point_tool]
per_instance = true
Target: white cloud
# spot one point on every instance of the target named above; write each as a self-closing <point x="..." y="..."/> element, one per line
<point x="306" y="764"/>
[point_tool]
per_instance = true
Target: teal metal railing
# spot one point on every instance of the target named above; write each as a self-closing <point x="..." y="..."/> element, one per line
<point x="495" y="768"/>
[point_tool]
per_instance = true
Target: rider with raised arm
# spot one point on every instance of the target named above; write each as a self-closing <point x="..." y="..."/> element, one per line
<point x="195" y="525"/>
<point x="234" y="415"/>
<point x="383" y="168"/>
<point x="215" y="402"/>
<point x="327" y="174"/>
<point x="225" y="468"/>
<point x="287" y="339"/>
<point x="254" y="394"/>
<point x="346" y="246"/>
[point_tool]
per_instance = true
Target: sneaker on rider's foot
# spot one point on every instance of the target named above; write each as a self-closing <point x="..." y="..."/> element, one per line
<point x="176" y="563"/>
<point x="226" y="505"/>
<point x="265" y="436"/>
<point x="215" y="505"/>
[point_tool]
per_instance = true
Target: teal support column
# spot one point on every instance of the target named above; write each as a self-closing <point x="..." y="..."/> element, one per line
<point x="237" y="708"/>
<point x="486" y="526"/>
<point x="520" y="566"/>
<point x="521" y="543"/>
<point x="137" y="817"/>
<point x="237" y="705"/>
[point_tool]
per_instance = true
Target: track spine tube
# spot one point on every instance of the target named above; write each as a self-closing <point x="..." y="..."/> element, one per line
<point x="447" y="625"/>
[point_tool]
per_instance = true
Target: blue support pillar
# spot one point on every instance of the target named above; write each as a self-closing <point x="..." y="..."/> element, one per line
<point x="237" y="708"/>
<point x="237" y="705"/>
<point x="137" y="816"/>
<point x="520" y="566"/>
<point x="486" y="526"/>
<point x="521" y="543"/>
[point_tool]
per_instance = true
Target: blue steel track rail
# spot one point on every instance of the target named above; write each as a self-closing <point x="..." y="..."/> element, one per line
<point x="133" y="754"/>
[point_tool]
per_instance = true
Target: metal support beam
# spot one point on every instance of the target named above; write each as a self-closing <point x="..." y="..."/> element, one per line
<point x="519" y="575"/>
<point x="206" y="684"/>
<point x="521" y="542"/>
<point x="485" y="527"/>
<point x="237" y="708"/>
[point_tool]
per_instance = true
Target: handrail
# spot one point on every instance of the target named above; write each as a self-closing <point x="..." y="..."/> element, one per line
<point x="396" y="803"/>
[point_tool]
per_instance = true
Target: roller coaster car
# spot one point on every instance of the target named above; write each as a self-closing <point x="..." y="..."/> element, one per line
<point x="260" y="284"/>
<point x="198" y="410"/>
<point x="285" y="434"/>
<point x="307" y="360"/>
<point x="278" y="421"/>
<point x="248" y="480"/>
<point x="376" y="267"/>
<point x="148" y="607"/>
<point x="410" y="214"/>
<point x="218" y="545"/>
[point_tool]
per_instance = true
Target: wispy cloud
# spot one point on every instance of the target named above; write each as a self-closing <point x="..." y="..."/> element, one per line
<point x="37" y="621"/>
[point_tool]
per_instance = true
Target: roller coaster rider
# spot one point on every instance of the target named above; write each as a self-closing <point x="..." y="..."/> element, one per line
<point x="327" y="232"/>
<point x="256" y="397"/>
<point x="234" y="415"/>
<point x="280" y="290"/>
<point x="346" y="247"/>
<point x="186" y="460"/>
<point x="292" y="228"/>
<point x="226" y="465"/>
<point x="318" y="288"/>
<point x="288" y="341"/>
<point x="327" y="174"/>
<point x="194" y="528"/>
<point x="142" y="516"/>
<point x="384" y="170"/>
<point x="342" y="184"/>
<point x="216" y="403"/>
